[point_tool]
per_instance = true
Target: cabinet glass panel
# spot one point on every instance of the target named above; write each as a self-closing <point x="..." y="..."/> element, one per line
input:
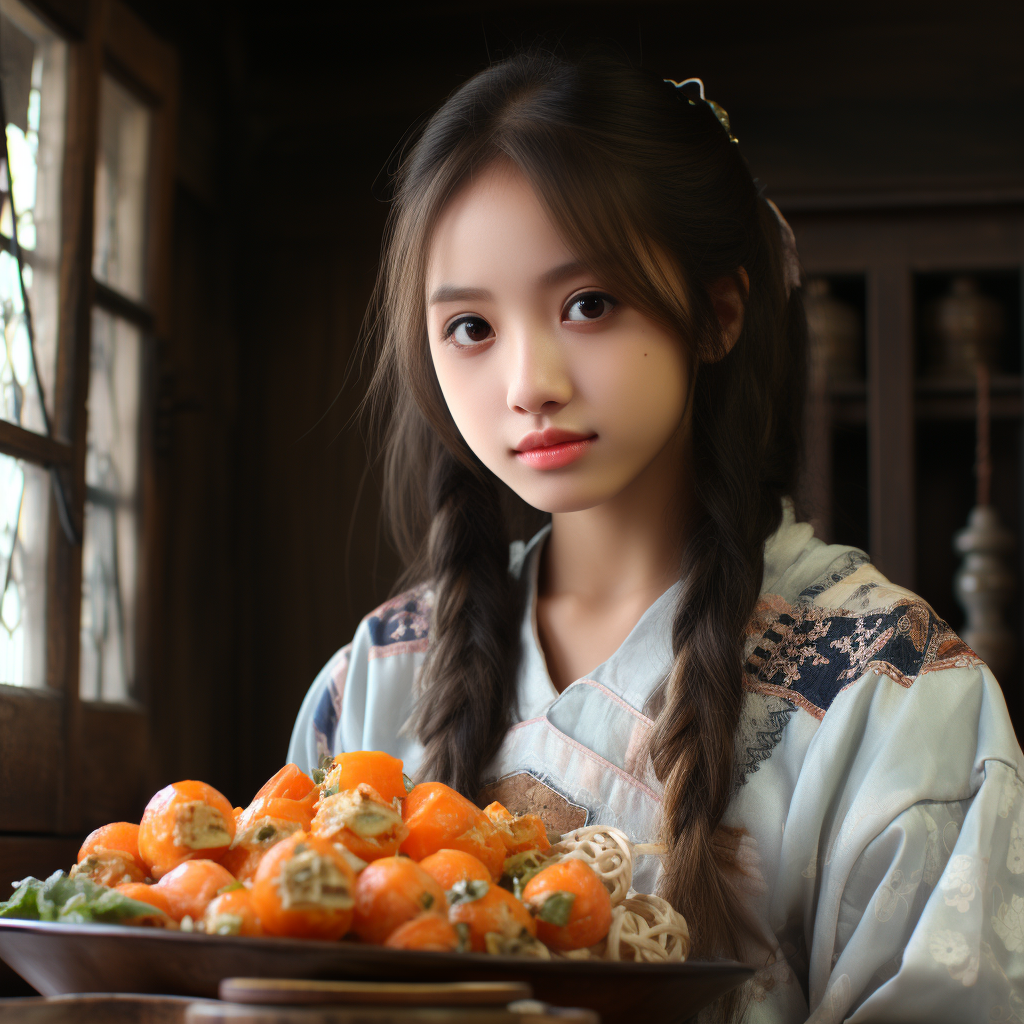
<point x="24" y="512"/>
<point x="121" y="167"/>
<point x="110" y="548"/>
<point x="33" y="61"/>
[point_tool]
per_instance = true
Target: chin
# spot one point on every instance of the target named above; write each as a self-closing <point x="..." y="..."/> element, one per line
<point x="559" y="498"/>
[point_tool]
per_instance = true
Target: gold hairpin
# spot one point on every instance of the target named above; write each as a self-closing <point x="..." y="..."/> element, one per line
<point x="719" y="111"/>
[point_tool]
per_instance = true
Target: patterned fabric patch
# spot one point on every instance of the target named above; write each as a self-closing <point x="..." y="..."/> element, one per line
<point x="402" y="624"/>
<point x="328" y="707"/>
<point x="847" y="563"/>
<point x="524" y="793"/>
<point x="809" y="655"/>
<point x="763" y="719"/>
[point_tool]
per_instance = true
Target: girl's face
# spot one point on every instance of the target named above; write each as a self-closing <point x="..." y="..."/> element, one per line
<point x="565" y="393"/>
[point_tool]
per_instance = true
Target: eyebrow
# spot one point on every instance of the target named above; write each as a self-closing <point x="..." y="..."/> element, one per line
<point x="550" y="278"/>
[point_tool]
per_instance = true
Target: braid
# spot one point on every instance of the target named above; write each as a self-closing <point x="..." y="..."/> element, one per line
<point x="469" y="674"/>
<point x="693" y="742"/>
<point x="746" y="433"/>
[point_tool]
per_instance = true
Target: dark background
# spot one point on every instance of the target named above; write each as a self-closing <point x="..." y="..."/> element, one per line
<point x="290" y="121"/>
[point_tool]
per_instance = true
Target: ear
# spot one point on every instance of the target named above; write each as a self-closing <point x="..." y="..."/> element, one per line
<point x="729" y="297"/>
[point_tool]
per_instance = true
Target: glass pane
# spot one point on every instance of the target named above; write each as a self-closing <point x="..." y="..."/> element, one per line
<point x="110" y="547"/>
<point x="122" y="163"/>
<point x="33" y="62"/>
<point x="24" y="512"/>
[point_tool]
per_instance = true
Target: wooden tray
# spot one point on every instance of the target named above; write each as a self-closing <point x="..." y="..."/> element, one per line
<point x="61" y="958"/>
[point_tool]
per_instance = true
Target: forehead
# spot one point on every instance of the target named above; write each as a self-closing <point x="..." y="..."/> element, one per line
<point x="494" y="225"/>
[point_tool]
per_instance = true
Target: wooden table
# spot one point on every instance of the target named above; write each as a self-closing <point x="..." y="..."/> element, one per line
<point x="137" y="1009"/>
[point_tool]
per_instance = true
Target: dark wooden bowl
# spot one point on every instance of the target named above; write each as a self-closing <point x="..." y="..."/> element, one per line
<point x="61" y="958"/>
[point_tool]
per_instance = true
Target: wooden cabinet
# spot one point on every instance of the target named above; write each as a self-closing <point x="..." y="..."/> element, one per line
<point x="891" y="449"/>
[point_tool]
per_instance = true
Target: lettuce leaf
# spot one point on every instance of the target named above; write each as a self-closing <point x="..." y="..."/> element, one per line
<point x="72" y="900"/>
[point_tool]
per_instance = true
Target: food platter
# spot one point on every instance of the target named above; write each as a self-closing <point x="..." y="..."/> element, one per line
<point x="58" y="959"/>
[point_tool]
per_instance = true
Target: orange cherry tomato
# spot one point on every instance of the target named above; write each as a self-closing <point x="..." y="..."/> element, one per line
<point x="519" y="833"/>
<point x="119" y="835"/>
<point x="529" y="833"/>
<point x="572" y="905"/>
<point x="304" y="889"/>
<point x="497" y="912"/>
<point x="290" y="783"/>
<point x="447" y="867"/>
<point x="389" y="892"/>
<point x="191" y="886"/>
<point x="426" y="931"/>
<point x="184" y="821"/>
<point x="264" y="823"/>
<point x="440" y="818"/>
<point x="373" y="767"/>
<point x="232" y="913"/>
<point x="361" y="821"/>
<point x="143" y="893"/>
<point x="110" y="855"/>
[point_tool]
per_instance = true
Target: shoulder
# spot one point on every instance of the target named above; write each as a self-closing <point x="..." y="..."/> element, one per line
<point x="400" y="625"/>
<point x="847" y="623"/>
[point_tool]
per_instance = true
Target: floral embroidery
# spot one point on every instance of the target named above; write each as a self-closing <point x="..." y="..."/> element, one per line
<point x="809" y="654"/>
<point x="958" y="883"/>
<point x="1008" y="795"/>
<point x="933" y="859"/>
<point x="834" y="1006"/>
<point x="951" y="949"/>
<point x="1015" y="855"/>
<point x="761" y="985"/>
<point x="401" y="623"/>
<point x="891" y="894"/>
<point x="866" y="640"/>
<point x="1008" y="923"/>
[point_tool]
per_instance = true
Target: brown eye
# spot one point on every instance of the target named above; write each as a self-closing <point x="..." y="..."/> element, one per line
<point x="469" y="332"/>
<point x="590" y="307"/>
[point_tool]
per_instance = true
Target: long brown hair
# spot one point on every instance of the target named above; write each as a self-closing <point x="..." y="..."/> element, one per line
<point x="631" y="170"/>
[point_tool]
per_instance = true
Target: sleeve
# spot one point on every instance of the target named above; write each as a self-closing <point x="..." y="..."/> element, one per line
<point x="362" y="698"/>
<point x="315" y="731"/>
<point x="920" y="864"/>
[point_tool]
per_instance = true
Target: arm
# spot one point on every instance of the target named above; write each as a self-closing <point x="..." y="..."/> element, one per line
<point x="363" y="696"/>
<point x="921" y="899"/>
<point x="315" y="731"/>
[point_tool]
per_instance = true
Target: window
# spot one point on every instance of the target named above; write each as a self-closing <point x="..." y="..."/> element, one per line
<point x="84" y="215"/>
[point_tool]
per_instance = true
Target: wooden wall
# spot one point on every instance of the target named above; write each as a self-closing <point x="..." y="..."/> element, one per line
<point x="287" y="129"/>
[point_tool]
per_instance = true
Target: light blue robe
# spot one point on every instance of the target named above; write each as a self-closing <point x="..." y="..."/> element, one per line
<point x="877" y="785"/>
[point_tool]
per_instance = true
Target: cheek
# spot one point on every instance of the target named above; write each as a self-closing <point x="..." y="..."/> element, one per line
<point x="470" y="395"/>
<point x="644" y="393"/>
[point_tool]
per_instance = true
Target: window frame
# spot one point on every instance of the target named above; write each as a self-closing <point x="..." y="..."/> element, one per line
<point x="69" y="765"/>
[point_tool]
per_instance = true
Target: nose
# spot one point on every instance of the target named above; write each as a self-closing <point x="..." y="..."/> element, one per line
<point x="539" y="381"/>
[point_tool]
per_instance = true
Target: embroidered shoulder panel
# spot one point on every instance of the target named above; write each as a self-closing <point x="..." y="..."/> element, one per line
<point x="401" y="625"/>
<point x="846" y="564"/>
<point x="808" y="655"/>
<point x="763" y="720"/>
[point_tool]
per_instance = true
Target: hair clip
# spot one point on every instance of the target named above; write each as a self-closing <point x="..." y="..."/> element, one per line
<point x="719" y="112"/>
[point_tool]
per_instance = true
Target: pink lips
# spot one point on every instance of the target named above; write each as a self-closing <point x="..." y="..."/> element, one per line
<point x="552" y="448"/>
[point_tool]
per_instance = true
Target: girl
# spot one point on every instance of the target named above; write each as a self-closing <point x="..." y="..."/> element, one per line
<point x="587" y="311"/>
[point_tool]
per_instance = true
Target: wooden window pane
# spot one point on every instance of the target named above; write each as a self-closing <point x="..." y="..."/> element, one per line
<point x="24" y="509"/>
<point x="34" y="63"/>
<point x="121" y="189"/>
<point x="110" y="547"/>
